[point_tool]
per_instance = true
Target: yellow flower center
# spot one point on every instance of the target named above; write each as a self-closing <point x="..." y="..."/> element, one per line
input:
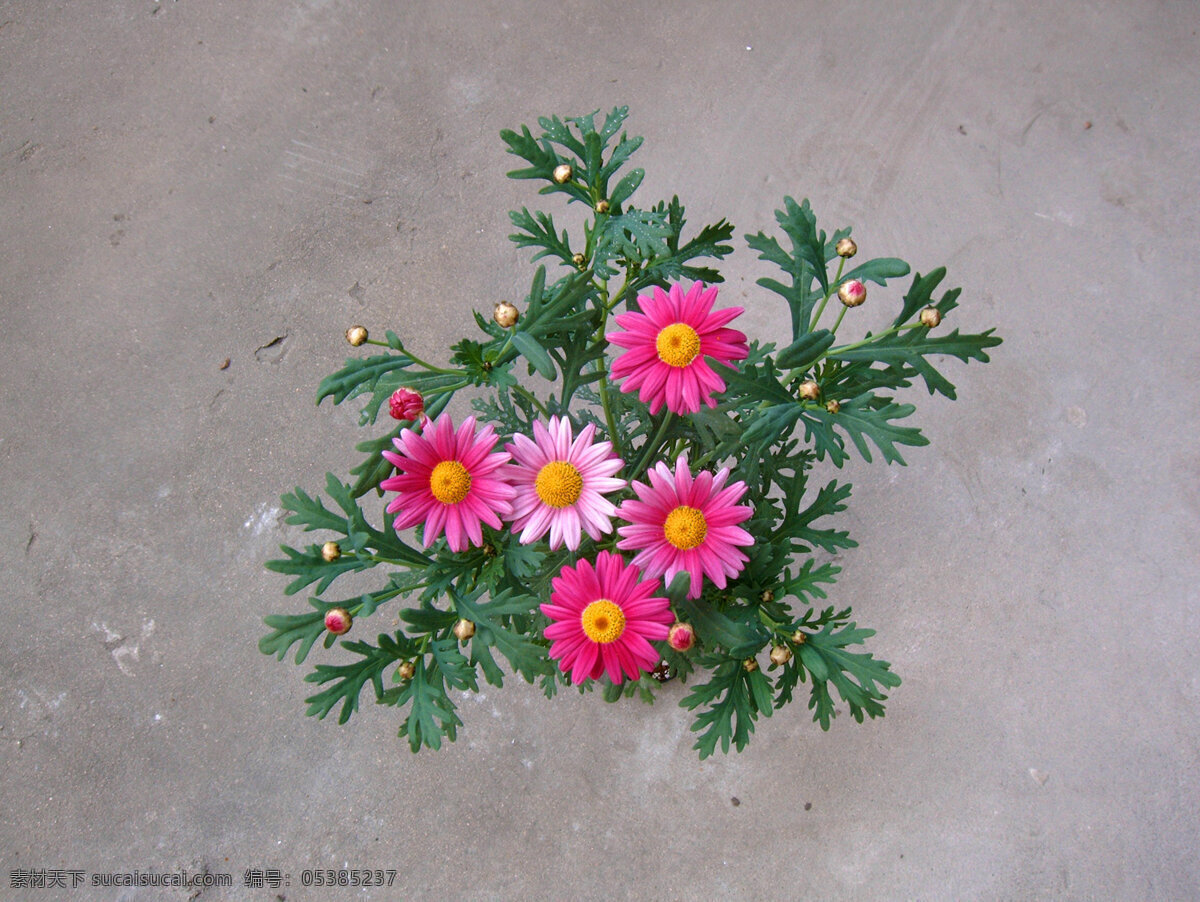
<point x="678" y="344"/>
<point x="559" y="484"/>
<point x="685" y="527"/>
<point x="603" y="621"/>
<point x="449" y="482"/>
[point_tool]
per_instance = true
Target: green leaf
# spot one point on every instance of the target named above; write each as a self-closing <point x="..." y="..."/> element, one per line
<point x="348" y="680"/>
<point x="734" y="698"/>
<point x="290" y="629"/>
<point x="906" y="352"/>
<point x="309" y="567"/>
<point x="431" y="714"/>
<point x="805" y="350"/>
<point x="858" y="677"/>
<point x="862" y="418"/>
<point x="804" y="262"/>
<point x="740" y="637"/>
<point x="492" y="629"/>
<point x="626" y="187"/>
<point x="535" y="354"/>
<point x="878" y="270"/>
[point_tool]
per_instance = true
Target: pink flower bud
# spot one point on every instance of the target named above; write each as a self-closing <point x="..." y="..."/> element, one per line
<point x="852" y="293"/>
<point x="338" y="621"/>
<point x="406" y="404"/>
<point x="681" y="637"/>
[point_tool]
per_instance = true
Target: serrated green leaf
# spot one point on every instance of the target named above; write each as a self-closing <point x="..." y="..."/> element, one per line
<point x="348" y="680"/>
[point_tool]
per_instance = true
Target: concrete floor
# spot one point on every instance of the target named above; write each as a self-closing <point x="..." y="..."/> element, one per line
<point x="185" y="182"/>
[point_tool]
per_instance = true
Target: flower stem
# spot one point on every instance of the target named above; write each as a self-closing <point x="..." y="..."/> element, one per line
<point x="652" y="446"/>
<point x="520" y="389"/>
<point x="828" y="295"/>
<point x="418" y="361"/>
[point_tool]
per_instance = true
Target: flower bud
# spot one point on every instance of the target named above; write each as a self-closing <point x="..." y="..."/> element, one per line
<point x="847" y="248"/>
<point x="579" y="260"/>
<point x="750" y="665"/>
<point x="681" y="637"/>
<point x="406" y="404"/>
<point x="601" y="206"/>
<point x="832" y="405"/>
<point x="768" y="595"/>
<point x="852" y="293"/>
<point x="809" y="390"/>
<point x="356" y="335"/>
<point x="780" y="654"/>
<point x="506" y="314"/>
<point x="338" y="621"/>
<point x="330" y="552"/>
<point x="563" y="173"/>
<point x="464" y="630"/>
<point x="931" y="317"/>
<point x="799" y="638"/>
<point x="406" y="670"/>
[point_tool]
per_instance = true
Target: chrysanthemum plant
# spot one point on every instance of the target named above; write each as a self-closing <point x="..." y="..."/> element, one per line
<point x="631" y="495"/>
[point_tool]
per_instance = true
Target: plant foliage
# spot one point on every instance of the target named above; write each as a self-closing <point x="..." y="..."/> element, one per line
<point x="817" y="396"/>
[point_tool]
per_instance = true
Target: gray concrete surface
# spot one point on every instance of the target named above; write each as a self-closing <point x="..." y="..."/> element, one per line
<point x="183" y="182"/>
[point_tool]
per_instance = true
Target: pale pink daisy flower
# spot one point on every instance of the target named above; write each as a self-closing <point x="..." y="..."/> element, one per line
<point x="604" y="620"/>
<point x="668" y="345"/>
<point x="680" y="524"/>
<point x="450" y="481"/>
<point x="560" y="483"/>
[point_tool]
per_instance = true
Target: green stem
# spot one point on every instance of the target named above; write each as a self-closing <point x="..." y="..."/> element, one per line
<point x="609" y="420"/>
<point x="520" y="389"/>
<point x="828" y="294"/>
<point x="652" y="446"/>
<point x="418" y="361"/>
<point x="833" y="352"/>
<point x="837" y="322"/>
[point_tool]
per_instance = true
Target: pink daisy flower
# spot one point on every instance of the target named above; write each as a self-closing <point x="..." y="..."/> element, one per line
<point x="604" y="619"/>
<point x="560" y="482"/>
<point x="667" y="346"/>
<point x="680" y="524"/>
<point x="449" y="481"/>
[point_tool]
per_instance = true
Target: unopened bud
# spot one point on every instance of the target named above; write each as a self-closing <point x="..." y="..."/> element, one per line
<point x="768" y="595"/>
<point x="406" y="404"/>
<point x="852" y="293"/>
<point x="780" y="654"/>
<point x="809" y="390"/>
<point x="601" y="206"/>
<point x="931" y="317"/>
<point x="681" y="636"/>
<point x="799" y="638"/>
<point x="750" y="665"/>
<point x="338" y="621"/>
<point x="506" y="314"/>
<point x="847" y="248"/>
<point x="563" y="173"/>
<point x="356" y="335"/>
<point x="330" y="552"/>
<point x="464" y="630"/>
<point x="579" y="260"/>
<point x="406" y="670"/>
<point x="832" y="405"/>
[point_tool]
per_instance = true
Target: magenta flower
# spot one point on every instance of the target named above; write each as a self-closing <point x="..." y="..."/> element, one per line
<point x="604" y="619"/>
<point x="668" y="345"/>
<point x="680" y="524"/>
<point x="406" y="404"/>
<point x="560" y="482"/>
<point x="449" y="481"/>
